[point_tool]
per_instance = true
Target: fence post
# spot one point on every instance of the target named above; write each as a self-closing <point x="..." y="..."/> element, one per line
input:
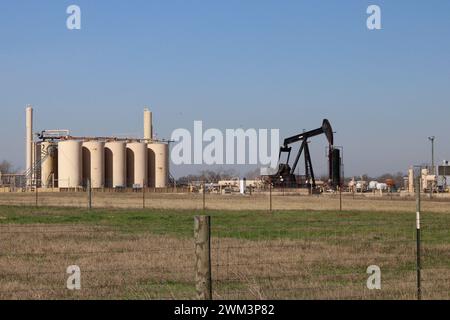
<point x="202" y="235"/>
<point x="418" y="209"/>
<point x="270" y="197"/>
<point x="143" y="194"/>
<point x="89" y="190"/>
<point x="37" y="197"/>
<point x="204" y="196"/>
<point x="340" y="198"/>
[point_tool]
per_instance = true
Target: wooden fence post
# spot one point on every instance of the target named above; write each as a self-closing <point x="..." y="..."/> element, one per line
<point x="202" y="235"/>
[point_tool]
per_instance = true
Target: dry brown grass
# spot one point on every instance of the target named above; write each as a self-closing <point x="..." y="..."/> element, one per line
<point x="133" y="264"/>
<point x="117" y="265"/>
<point x="34" y="260"/>
<point x="223" y="202"/>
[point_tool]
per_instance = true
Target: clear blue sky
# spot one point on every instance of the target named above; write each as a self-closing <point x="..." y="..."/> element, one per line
<point x="234" y="63"/>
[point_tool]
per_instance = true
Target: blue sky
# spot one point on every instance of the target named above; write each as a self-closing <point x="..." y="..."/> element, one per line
<point x="232" y="64"/>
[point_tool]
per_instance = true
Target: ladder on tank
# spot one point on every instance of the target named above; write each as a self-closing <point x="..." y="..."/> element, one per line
<point x="35" y="170"/>
<point x="172" y="181"/>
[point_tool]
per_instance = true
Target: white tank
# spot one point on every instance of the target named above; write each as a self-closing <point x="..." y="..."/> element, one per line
<point x="242" y="185"/>
<point x="137" y="166"/>
<point x="49" y="169"/>
<point x="115" y="164"/>
<point x="69" y="164"/>
<point x="373" y="185"/>
<point x="382" y="186"/>
<point x="158" y="165"/>
<point x="93" y="163"/>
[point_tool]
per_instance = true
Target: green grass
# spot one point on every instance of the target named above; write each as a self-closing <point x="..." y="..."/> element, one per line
<point x="253" y="225"/>
<point x="382" y="238"/>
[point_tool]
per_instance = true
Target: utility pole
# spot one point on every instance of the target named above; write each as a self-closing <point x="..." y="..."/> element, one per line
<point x="432" y="138"/>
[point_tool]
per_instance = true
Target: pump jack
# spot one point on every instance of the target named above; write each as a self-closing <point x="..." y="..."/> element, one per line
<point x="285" y="175"/>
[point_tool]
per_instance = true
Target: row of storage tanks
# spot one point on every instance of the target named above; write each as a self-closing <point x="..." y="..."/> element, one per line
<point x="114" y="164"/>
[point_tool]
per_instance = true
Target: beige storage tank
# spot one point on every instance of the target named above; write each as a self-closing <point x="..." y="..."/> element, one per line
<point x="115" y="164"/>
<point x="158" y="165"/>
<point x="69" y="164"/>
<point x="137" y="164"/>
<point x="49" y="165"/>
<point x="93" y="163"/>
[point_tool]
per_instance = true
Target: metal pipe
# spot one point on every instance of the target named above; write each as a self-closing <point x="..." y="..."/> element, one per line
<point x="29" y="143"/>
<point x="418" y="249"/>
<point x="148" y="126"/>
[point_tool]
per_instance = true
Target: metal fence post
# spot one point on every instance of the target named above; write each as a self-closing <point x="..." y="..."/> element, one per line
<point x="202" y="235"/>
<point x="340" y="198"/>
<point x="418" y="209"/>
<point x="37" y="196"/>
<point x="143" y="194"/>
<point x="204" y="196"/>
<point x="270" y="197"/>
<point x="89" y="190"/>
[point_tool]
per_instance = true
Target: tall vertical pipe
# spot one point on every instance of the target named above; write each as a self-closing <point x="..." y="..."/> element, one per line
<point x="148" y="126"/>
<point x="411" y="180"/>
<point x="29" y="143"/>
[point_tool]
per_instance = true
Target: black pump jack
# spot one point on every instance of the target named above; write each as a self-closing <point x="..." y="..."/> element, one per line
<point x="285" y="175"/>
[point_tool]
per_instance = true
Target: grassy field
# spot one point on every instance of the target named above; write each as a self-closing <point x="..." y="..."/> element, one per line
<point x="194" y="201"/>
<point x="290" y="254"/>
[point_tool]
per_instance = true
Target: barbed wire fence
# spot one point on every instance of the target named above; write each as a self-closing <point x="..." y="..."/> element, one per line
<point x="313" y="258"/>
<point x="319" y="259"/>
<point x="271" y="199"/>
<point x="115" y="263"/>
<point x="319" y="262"/>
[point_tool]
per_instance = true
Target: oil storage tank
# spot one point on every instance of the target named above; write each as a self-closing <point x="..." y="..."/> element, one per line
<point x="69" y="164"/>
<point x="115" y="164"/>
<point x="137" y="166"/>
<point x="158" y="165"/>
<point x="49" y="164"/>
<point x="93" y="163"/>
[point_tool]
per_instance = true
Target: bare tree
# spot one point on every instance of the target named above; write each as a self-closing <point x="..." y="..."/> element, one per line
<point x="6" y="167"/>
<point x="208" y="176"/>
